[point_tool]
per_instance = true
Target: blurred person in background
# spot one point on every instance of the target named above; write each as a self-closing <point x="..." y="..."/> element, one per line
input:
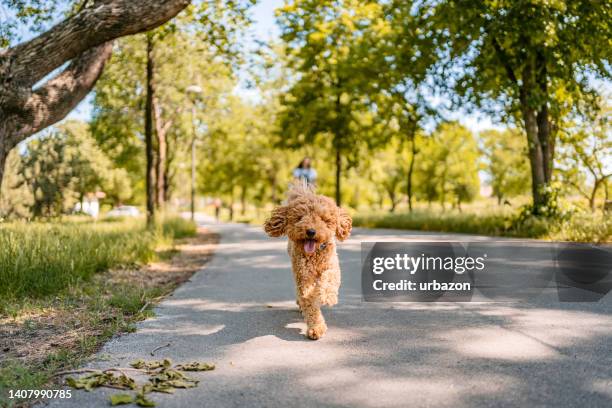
<point x="305" y="172"/>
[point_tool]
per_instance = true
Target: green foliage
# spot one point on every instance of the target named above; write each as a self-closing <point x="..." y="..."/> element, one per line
<point x="506" y="163"/>
<point x="584" y="228"/>
<point x="485" y="39"/>
<point x="15" y="198"/>
<point x="387" y="170"/>
<point x="584" y="156"/>
<point x="333" y="101"/>
<point x="497" y="224"/>
<point x="239" y="161"/>
<point x="118" y="120"/>
<point x="60" y="168"/>
<point x="448" y="165"/>
<point x="578" y="228"/>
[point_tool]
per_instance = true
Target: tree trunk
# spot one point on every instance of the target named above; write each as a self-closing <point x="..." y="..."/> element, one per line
<point x="161" y="128"/>
<point x="597" y="183"/>
<point x="167" y="182"/>
<point x="243" y="194"/>
<point x="3" y="157"/>
<point x="393" y="201"/>
<point x="150" y="170"/>
<point x="338" y="176"/>
<point x="274" y="188"/>
<point x="410" y="172"/>
<point x="539" y="137"/>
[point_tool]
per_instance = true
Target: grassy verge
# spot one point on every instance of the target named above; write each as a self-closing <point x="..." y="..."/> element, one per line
<point x="581" y="227"/>
<point x="101" y="280"/>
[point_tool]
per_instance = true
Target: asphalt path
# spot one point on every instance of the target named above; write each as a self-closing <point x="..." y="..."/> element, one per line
<point x="239" y="312"/>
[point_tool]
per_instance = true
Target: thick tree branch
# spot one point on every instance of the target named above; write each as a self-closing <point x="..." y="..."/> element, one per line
<point x="505" y="60"/>
<point x="31" y="61"/>
<point x="53" y="101"/>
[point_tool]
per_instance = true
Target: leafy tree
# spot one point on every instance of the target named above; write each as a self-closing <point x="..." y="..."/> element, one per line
<point x="531" y="59"/>
<point x="449" y="165"/>
<point x="506" y="163"/>
<point x="333" y="100"/>
<point x="428" y="186"/>
<point x="586" y="150"/>
<point x="64" y="165"/>
<point x="240" y="162"/>
<point x="118" y="121"/>
<point x="387" y="170"/>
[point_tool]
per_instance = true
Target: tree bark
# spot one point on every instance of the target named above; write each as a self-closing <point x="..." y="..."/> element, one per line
<point x="338" y="175"/>
<point x="3" y="157"/>
<point x="150" y="170"/>
<point x="31" y="61"/>
<point x="410" y="172"/>
<point x="86" y="39"/>
<point x="243" y="194"/>
<point x="273" y="184"/>
<point x="393" y="201"/>
<point x="168" y="179"/>
<point x="596" y="185"/>
<point x="536" y="158"/>
<point x="161" y="129"/>
<point x="536" y="127"/>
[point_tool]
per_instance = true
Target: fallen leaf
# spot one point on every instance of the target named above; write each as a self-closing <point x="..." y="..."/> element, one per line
<point x="143" y="401"/>
<point x="195" y="366"/>
<point x="120" y="399"/>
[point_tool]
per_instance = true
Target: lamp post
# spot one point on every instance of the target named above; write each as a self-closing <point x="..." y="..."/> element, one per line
<point x="194" y="90"/>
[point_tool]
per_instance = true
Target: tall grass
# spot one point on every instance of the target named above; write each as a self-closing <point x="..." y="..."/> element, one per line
<point x="581" y="227"/>
<point x="177" y="227"/>
<point x="41" y="259"/>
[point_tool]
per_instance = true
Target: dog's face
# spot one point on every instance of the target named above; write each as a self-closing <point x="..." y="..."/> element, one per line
<point x="309" y="221"/>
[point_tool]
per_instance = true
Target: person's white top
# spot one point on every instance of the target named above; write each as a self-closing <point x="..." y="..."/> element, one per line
<point x="310" y="175"/>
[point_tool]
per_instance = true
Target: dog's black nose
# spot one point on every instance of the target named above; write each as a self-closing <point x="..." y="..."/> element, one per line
<point x="310" y="233"/>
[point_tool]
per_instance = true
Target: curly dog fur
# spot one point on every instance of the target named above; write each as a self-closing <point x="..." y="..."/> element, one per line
<point x="312" y="223"/>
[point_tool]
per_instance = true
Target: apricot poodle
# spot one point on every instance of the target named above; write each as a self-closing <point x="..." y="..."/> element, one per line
<point x="312" y="223"/>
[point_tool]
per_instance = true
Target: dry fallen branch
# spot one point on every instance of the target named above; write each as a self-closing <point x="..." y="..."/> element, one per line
<point x="159" y="348"/>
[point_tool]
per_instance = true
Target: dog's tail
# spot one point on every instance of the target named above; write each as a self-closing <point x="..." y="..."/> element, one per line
<point x="299" y="188"/>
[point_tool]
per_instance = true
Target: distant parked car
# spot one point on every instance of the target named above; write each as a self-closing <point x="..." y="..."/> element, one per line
<point x="124" y="211"/>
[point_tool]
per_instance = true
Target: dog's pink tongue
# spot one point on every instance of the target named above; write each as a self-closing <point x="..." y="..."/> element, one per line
<point x="309" y="246"/>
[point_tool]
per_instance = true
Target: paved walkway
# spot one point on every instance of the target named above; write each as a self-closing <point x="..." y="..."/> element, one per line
<point x="239" y="313"/>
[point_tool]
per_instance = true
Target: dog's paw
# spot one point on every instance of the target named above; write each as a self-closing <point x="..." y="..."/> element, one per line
<point x="331" y="299"/>
<point x="315" y="333"/>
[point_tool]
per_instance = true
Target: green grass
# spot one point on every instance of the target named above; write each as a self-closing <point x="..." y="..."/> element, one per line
<point x="46" y="266"/>
<point x="177" y="227"/>
<point x="581" y="227"/>
<point x="42" y="259"/>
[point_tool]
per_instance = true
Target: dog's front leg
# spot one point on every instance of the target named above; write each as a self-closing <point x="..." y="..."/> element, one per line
<point x="315" y="322"/>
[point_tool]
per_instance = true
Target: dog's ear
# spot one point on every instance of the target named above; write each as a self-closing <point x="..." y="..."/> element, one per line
<point x="276" y="224"/>
<point x="344" y="224"/>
